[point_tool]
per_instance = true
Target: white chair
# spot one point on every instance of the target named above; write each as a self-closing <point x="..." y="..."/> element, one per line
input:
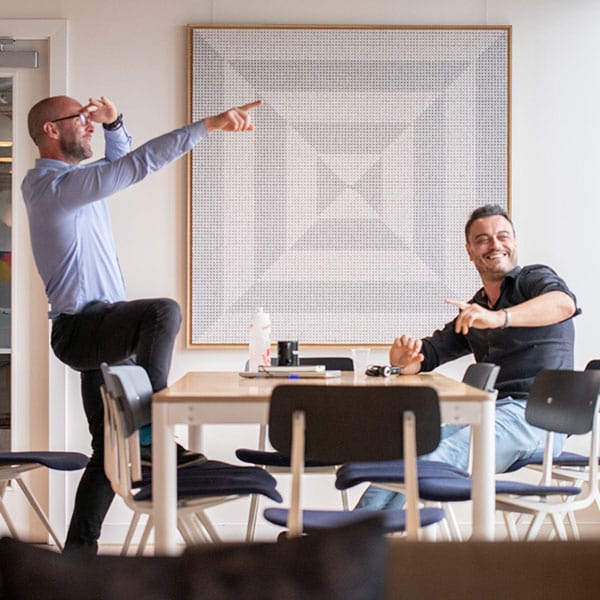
<point x="339" y="424"/>
<point x="566" y="467"/>
<point x="562" y="402"/>
<point x="127" y="396"/>
<point x="14" y="464"/>
<point x="277" y="463"/>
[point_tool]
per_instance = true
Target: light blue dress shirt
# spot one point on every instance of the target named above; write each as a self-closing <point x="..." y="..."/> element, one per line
<point x="69" y="221"/>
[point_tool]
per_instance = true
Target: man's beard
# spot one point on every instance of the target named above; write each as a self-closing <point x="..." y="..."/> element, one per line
<point x="75" y="150"/>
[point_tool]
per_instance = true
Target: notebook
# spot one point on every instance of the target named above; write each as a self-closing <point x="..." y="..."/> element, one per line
<point x="308" y="371"/>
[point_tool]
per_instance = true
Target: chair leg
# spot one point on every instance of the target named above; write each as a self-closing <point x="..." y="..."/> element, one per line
<point x="345" y="503"/>
<point x="511" y="526"/>
<point x="185" y="530"/>
<point x="39" y="512"/>
<point x="573" y="525"/>
<point x="145" y="536"/>
<point x="8" y="520"/>
<point x="212" y="532"/>
<point x="559" y="526"/>
<point x="453" y="527"/>
<point x="130" y="531"/>
<point x="534" y="526"/>
<point x="252" y="518"/>
<point x="200" y="533"/>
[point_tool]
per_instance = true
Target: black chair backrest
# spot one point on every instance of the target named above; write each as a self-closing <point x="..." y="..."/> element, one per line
<point x="332" y="363"/>
<point x="482" y="375"/>
<point x="564" y="401"/>
<point x="352" y="423"/>
<point x="593" y="365"/>
<point x="131" y="387"/>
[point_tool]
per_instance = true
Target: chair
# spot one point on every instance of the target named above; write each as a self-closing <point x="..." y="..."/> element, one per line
<point x="275" y="462"/>
<point x="339" y="424"/>
<point x="438" y="482"/>
<point x="444" y="483"/>
<point x="562" y="402"/>
<point x="481" y="375"/>
<point x="14" y="464"/>
<point x="567" y="466"/>
<point x="127" y="397"/>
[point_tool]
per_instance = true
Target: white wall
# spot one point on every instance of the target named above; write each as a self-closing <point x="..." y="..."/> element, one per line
<point x="135" y="52"/>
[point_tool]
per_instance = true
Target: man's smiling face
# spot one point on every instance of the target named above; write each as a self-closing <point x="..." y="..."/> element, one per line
<point x="492" y="247"/>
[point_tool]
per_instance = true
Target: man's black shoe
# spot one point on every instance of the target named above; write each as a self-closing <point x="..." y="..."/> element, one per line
<point x="185" y="458"/>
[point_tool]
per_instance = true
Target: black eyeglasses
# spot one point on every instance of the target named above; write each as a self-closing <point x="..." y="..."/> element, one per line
<point x="83" y="118"/>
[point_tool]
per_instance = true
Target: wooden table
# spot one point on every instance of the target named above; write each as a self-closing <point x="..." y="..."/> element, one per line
<point x="201" y="398"/>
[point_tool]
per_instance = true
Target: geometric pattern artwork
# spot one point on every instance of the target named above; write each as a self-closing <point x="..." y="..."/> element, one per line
<point x="343" y="213"/>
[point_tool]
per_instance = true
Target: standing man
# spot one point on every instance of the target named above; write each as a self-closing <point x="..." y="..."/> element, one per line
<point x="74" y="250"/>
<point x="521" y="320"/>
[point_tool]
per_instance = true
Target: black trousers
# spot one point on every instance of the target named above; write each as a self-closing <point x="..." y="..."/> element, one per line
<point x="140" y="331"/>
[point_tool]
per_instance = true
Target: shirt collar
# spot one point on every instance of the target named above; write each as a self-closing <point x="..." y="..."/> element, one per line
<point x="48" y="163"/>
<point x="512" y="275"/>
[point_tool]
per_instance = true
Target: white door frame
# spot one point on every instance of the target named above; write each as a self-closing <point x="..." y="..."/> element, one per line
<point x="55" y="32"/>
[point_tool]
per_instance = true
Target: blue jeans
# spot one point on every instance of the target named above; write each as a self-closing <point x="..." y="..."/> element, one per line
<point x="515" y="439"/>
<point x="140" y="331"/>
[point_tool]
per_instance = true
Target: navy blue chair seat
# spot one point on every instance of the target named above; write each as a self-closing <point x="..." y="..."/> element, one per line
<point x="215" y="478"/>
<point x="438" y="481"/>
<point x="318" y="520"/>
<point x="564" y="459"/>
<point x="14" y="464"/>
<point x="272" y="459"/>
<point x="60" y="461"/>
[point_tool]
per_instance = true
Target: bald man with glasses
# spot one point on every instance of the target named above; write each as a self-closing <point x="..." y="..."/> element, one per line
<point x="75" y="254"/>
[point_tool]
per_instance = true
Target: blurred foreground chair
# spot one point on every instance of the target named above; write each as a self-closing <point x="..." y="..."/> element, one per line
<point x="14" y="464"/>
<point x="127" y="396"/>
<point x="338" y="424"/>
<point x="277" y="463"/>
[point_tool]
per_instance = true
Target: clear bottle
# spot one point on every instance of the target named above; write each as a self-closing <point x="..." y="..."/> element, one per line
<point x="259" y="346"/>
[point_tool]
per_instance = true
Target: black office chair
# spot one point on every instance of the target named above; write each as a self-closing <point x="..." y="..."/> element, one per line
<point x="338" y="424"/>
<point x="127" y="396"/>
<point x="14" y="464"/>
<point x="277" y="463"/>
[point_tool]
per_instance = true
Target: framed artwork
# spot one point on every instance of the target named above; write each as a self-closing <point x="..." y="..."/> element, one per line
<point x="343" y="213"/>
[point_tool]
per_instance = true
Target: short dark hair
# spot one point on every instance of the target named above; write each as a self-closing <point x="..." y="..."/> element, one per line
<point x="489" y="210"/>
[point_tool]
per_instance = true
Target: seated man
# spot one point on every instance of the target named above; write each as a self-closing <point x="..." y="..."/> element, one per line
<point x="521" y="320"/>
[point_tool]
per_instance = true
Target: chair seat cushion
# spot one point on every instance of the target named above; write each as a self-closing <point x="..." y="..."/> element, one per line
<point x="564" y="459"/>
<point x="315" y="520"/>
<point x="61" y="461"/>
<point x="215" y="478"/>
<point x="272" y="459"/>
<point x="438" y="482"/>
<point x="392" y="471"/>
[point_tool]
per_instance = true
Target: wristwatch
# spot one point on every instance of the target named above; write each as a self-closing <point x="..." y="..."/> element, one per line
<point x="116" y="124"/>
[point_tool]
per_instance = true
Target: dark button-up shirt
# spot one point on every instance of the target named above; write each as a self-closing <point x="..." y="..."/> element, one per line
<point x="521" y="352"/>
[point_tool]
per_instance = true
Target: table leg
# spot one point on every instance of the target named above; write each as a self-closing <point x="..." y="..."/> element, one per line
<point x="484" y="463"/>
<point x="195" y="438"/>
<point x="164" y="481"/>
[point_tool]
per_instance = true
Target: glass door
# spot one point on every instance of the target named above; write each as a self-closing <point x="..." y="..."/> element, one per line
<point x="6" y="154"/>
